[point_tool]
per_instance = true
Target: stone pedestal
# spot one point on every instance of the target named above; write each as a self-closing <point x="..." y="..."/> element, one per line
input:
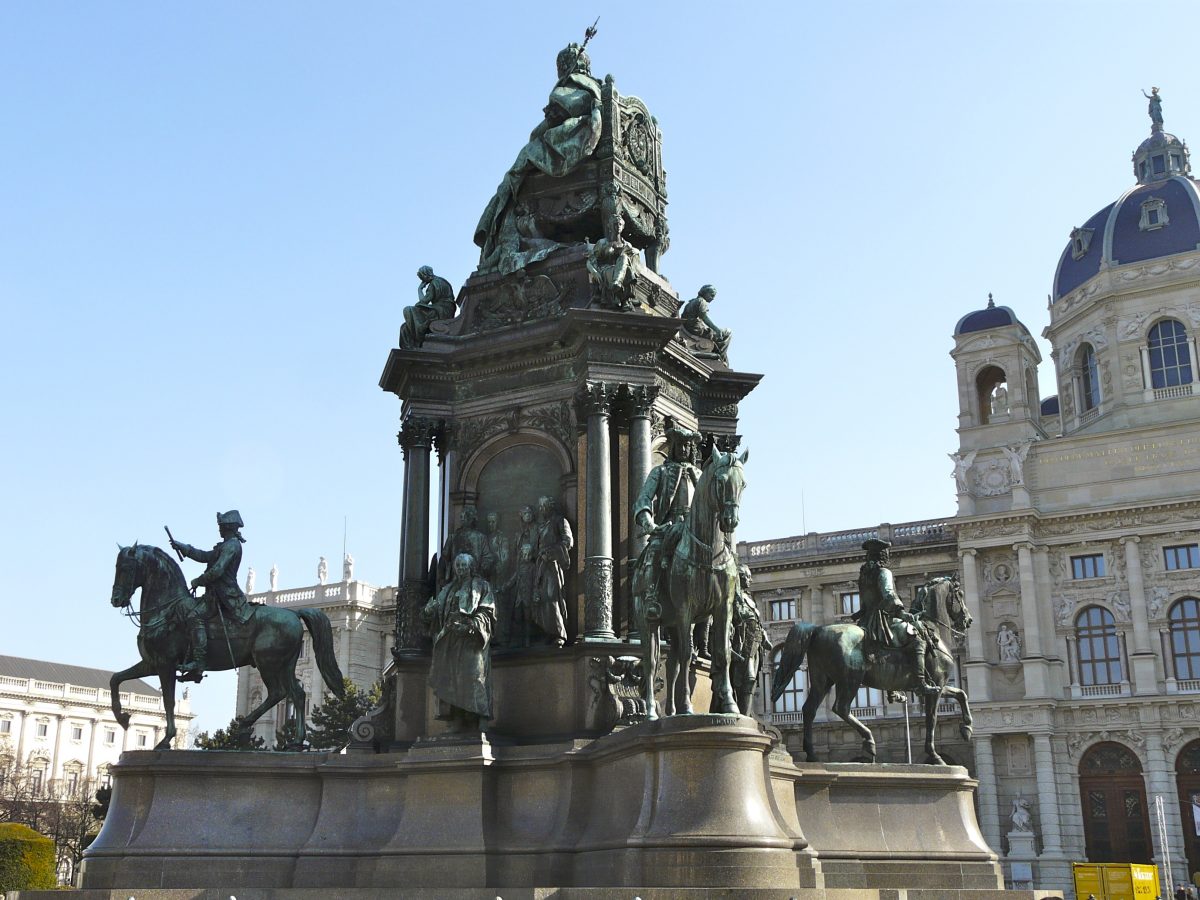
<point x="689" y="803"/>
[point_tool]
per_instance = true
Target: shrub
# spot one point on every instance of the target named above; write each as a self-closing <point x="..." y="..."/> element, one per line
<point x="26" y="859"/>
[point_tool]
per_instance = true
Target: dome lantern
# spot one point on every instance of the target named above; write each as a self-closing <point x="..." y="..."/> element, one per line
<point x="1162" y="154"/>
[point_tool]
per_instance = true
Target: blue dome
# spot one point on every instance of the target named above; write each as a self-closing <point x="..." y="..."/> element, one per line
<point x="1150" y="221"/>
<point x="1157" y="217"/>
<point x="992" y="316"/>
<point x="1050" y="406"/>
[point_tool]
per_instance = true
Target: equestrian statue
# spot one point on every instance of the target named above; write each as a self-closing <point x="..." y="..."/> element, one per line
<point x="885" y="647"/>
<point x="688" y="570"/>
<point x="182" y="635"/>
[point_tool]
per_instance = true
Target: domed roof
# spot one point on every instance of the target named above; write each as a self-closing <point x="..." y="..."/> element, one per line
<point x="991" y="316"/>
<point x="1157" y="217"/>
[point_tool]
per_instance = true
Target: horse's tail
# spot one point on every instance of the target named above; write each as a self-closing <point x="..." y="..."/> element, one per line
<point x="792" y="655"/>
<point x="322" y="636"/>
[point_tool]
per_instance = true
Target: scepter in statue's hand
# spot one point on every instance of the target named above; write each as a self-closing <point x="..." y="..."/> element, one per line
<point x="174" y="543"/>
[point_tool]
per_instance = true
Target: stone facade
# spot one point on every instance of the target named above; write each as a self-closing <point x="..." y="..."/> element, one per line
<point x="362" y="617"/>
<point x="1077" y="541"/>
<point x="57" y="720"/>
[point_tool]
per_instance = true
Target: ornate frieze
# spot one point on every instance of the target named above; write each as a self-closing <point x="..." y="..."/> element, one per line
<point x="598" y="590"/>
<point x="555" y="419"/>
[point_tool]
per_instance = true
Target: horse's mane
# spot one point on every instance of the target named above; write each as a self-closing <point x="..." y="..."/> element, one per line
<point x="161" y="560"/>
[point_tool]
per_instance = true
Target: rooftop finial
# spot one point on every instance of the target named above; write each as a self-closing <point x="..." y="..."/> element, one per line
<point x="991" y="302"/>
<point x="1155" y="109"/>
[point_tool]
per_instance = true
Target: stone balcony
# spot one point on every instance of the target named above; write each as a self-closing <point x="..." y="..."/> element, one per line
<point x="815" y="544"/>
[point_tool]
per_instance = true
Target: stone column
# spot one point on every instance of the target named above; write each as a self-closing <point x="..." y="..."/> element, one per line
<point x="989" y="808"/>
<point x="416" y="439"/>
<point x="975" y="667"/>
<point x="596" y="403"/>
<point x="1047" y="791"/>
<point x="1160" y="780"/>
<point x="641" y="406"/>
<point x="60" y="726"/>
<point x="816" y="606"/>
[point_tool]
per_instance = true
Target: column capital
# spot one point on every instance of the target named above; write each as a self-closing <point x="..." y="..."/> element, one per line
<point x="596" y="398"/>
<point x="1130" y="539"/>
<point x="1027" y="546"/>
<point x="417" y="431"/>
<point x="964" y="552"/>
<point x="641" y="399"/>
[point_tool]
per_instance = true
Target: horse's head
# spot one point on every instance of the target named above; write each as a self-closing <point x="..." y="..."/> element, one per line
<point x="129" y="576"/>
<point x="956" y="604"/>
<point x="728" y="482"/>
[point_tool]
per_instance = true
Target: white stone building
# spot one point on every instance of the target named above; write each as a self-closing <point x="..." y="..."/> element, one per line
<point x="1078" y="545"/>
<point x="363" y="618"/>
<point x="56" y="721"/>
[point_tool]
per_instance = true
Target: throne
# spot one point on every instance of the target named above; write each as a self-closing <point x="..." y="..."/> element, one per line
<point x="624" y="175"/>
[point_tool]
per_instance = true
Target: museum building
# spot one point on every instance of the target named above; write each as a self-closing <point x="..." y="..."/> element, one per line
<point x="1077" y="542"/>
<point x="57" y="724"/>
<point x="362" y="618"/>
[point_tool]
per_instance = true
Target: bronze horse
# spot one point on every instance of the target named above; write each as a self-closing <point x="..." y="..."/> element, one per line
<point x="836" y="660"/>
<point x="701" y="582"/>
<point x="271" y="640"/>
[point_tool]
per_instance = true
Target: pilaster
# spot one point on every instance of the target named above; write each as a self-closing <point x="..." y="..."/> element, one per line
<point x="1141" y="657"/>
<point x="1047" y="791"/>
<point x="1034" y="666"/>
<point x="978" y="676"/>
<point x="989" y="807"/>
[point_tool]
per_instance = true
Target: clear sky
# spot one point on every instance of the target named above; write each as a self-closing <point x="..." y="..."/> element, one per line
<point x="211" y="216"/>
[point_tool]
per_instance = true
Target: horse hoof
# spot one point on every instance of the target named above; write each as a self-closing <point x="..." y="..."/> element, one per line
<point x="966" y="731"/>
<point x="164" y="744"/>
<point x="932" y="759"/>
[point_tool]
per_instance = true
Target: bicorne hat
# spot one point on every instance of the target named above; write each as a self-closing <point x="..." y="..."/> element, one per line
<point x="233" y="517"/>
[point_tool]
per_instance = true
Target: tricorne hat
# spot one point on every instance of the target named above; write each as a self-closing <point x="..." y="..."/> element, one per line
<point x="233" y="517"/>
<point x="875" y="544"/>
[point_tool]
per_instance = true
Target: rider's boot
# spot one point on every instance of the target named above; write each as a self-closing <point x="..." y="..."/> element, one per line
<point x="194" y="670"/>
<point x="917" y="664"/>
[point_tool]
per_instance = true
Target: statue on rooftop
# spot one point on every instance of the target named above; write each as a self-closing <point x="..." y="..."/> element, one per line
<point x="612" y="267"/>
<point x="435" y="303"/>
<point x="1154" y="109"/>
<point x="697" y="324"/>
<point x="566" y="136"/>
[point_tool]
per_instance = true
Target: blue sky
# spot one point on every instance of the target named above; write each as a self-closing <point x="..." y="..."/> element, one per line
<point x="211" y="216"/>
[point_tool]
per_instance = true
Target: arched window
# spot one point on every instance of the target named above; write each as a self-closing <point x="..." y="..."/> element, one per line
<point x="1089" y="381"/>
<point x="1170" y="359"/>
<point x="1185" y="638"/>
<point x="1099" y="647"/>
<point x="1187" y="778"/>
<point x="991" y="386"/>
<point x="792" y="698"/>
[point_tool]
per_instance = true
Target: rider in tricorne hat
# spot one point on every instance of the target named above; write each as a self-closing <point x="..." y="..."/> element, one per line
<point x="220" y="581"/>
<point x="882" y="616"/>
<point x="663" y="502"/>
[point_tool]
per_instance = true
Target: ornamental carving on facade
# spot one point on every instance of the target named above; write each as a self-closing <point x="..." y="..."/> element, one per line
<point x="522" y="298"/>
<point x="556" y="419"/>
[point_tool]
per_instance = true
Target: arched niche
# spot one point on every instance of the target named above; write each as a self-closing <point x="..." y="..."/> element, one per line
<point x="989" y="379"/>
<point x="514" y="470"/>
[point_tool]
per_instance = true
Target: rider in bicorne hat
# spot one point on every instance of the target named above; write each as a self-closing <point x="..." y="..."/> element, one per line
<point x="664" y="501"/>
<point x="220" y="581"/>
<point x="882" y="616"/>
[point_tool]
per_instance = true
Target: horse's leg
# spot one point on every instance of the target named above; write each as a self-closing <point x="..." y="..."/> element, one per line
<point x="683" y="657"/>
<point x="931" y="754"/>
<point x="298" y="703"/>
<point x="672" y="673"/>
<point x="653" y="645"/>
<point x="142" y="669"/>
<point x="816" y="696"/>
<point x="166" y="680"/>
<point x="274" y="679"/>
<point x="723" y="700"/>
<point x="965" y="729"/>
<point x="846" y="691"/>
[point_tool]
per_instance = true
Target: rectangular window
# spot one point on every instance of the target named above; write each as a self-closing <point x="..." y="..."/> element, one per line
<point x="72" y="782"/>
<point x="36" y="780"/>
<point x="851" y="602"/>
<point x="782" y="610"/>
<point x="141" y="740"/>
<point x="1186" y="556"/>
<point x="867" y="698"/>
<point x="110" y="736"/>
<point x="77" y="732"/>
<point x="1152" y="215"/>
<point x="41" y="729"/>
<point x="1160" y="165"/>
<point x="1091" y="566"/>
<point x="5" y="726"/>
